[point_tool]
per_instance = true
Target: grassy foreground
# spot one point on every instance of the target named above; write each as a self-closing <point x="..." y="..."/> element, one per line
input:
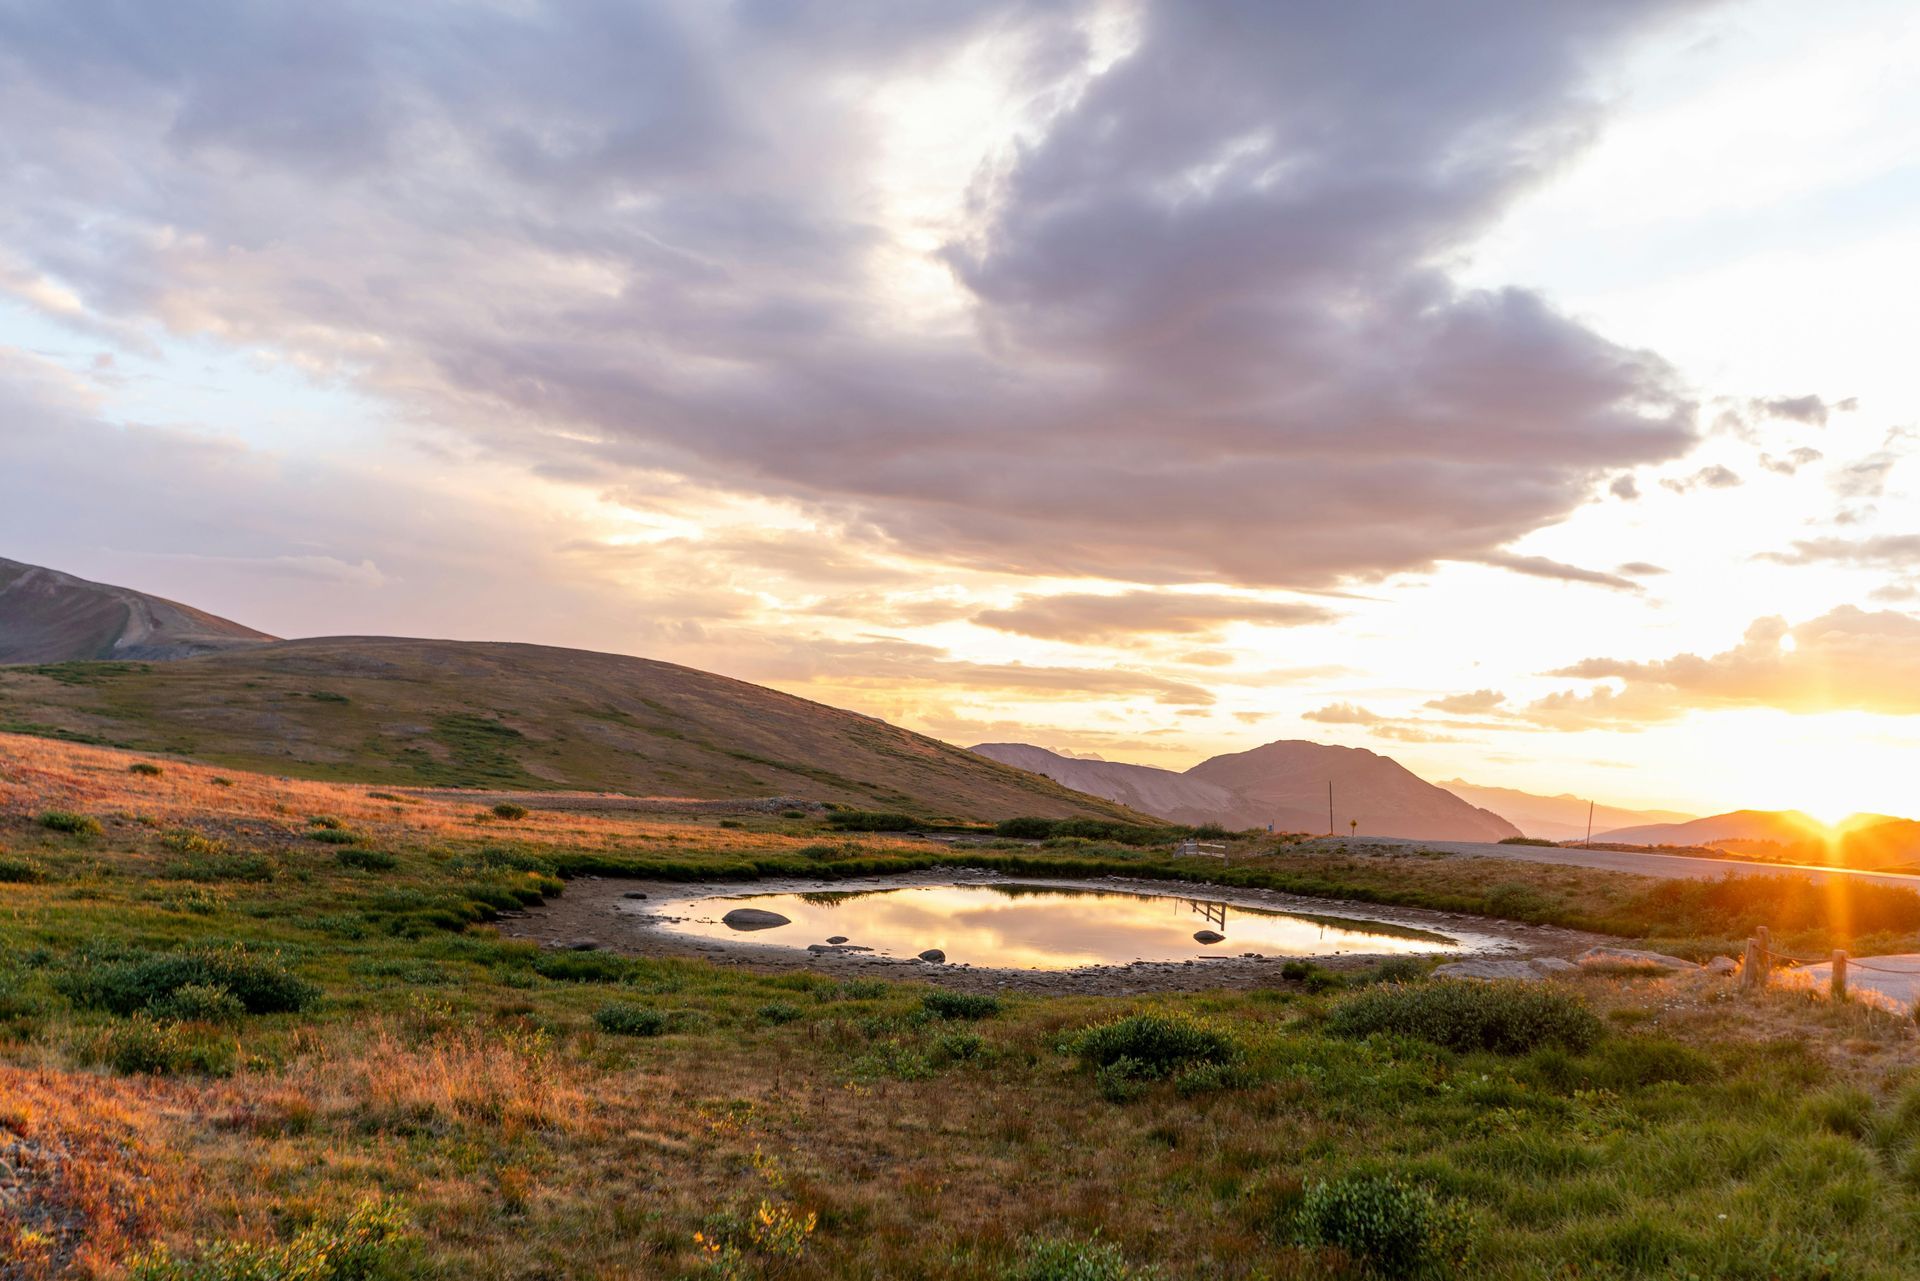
<point x="253" y="1028"/>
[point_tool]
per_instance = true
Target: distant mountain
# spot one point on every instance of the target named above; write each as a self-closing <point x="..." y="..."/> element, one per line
<point x="377" y="709"/>
<point x="1289" y="780"/>
<point x="1863" y="841"/>
<point x="1283" y="783"/>
<point x="1164" y="793"/>
<point x="1783" y="826"/>
<point x="50" y="617"/>
<point x="1555" y="818"/>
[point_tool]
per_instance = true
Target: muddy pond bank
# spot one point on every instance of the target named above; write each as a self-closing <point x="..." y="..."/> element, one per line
<point x="626" y="916"/>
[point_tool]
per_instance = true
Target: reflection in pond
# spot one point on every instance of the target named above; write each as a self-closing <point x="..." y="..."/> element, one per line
<point x="1046" y="927"/>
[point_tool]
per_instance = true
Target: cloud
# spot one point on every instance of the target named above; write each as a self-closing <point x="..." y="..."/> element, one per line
<point x="1541" y="567"/>
<point x="1886" y="551"/>
<point x="1342" y="714"/>
<point x="1641" y="569"/>
<point x="1863" y="478"/>
<point x="1624" y="487"/>
<point x="1710" y="477"/>
<point x="1189" y="318"/>
<point x="1092" y="619"/>
<point x="1480" y="700"/>
<point x="1793" y="462"/>
<point x="1413" y="734"/>
<point x="1811" y="410"/>
<point x="1846" y="660"/>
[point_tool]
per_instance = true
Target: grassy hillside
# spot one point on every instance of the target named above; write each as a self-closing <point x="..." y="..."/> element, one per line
<point x="457" y="714"/>
<point x="232" y="1048"/>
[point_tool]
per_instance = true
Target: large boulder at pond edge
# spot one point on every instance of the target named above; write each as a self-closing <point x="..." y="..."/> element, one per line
<point x="1208" y="936"/>
<point x="934" y="956"/>
<point x="753" y="918"/>
<point x="1629" y="958"/>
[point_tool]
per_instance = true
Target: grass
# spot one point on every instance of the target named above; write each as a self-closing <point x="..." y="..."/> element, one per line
<point x="220" y="1077"/>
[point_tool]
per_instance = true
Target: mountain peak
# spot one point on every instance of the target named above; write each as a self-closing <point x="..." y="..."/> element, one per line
<point x="47" y="616"/>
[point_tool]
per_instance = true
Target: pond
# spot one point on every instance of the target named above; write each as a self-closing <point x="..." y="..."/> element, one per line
<point x="1036" y="927"/>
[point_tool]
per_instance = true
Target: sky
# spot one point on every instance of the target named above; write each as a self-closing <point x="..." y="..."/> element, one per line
<point x="1520" y="389"/>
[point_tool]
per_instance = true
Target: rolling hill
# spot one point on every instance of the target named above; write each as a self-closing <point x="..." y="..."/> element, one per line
<point x="1555" y="818"/>
<point x="464" y="714"/>
<point x="1282" y="783"/>
<point x="50" y="617"/>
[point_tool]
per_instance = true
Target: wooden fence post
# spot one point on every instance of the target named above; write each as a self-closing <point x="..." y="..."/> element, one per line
<point x="1839" y="975"/>
<point x="1764" y="937"/>
<point x="1750" y="970"/>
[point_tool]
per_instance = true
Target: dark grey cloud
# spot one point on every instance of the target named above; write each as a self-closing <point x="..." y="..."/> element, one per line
<point x="1209" y="332"/>
<point x="1811" y="410"/>
<point x="1886" y="551"/>
<point x="1128" y="615"/>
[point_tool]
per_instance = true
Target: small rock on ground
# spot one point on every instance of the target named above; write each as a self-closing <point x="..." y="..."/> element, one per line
<point x="934" y="956"/>
<point x="1628" y="958"/>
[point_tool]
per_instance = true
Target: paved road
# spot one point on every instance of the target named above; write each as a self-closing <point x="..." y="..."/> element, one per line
<point x="1671" y="866"/>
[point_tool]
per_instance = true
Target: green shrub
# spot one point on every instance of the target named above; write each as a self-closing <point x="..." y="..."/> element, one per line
<point x="1386" y="1224"/>
<point x="958" y="1047"/>
<point x="779" y="1012"/>
<point x="1528" y="840"/>
<point x="70" y="823"/>
<point x="333" y="836"/>
<point x="201" y="1003"/>
<point x="1154" y="1045"/>
<point x="222" y="867"/>
<point x="508" y="810"/>
<point x="20" y="871"/>
<point x="1314" y="978"/>
<point x="218" y="781"/>
<point x="1207" y="1078"/>
<point x="630" y="1020"/>
<point x="144" y="1046"/>
<point x="185" y="840"/>
<point x="366" y="860"/>
<point x="960" y="1005"/>
<point x="147" y="768"/>
<point x="370" y="1244"/>
<point x="1505" y="1018"/>
<point x="146" y="981"/>
<point x="873" y="821"/>
<point x="1064" y="1259"/>
<point x="325" y="820"/>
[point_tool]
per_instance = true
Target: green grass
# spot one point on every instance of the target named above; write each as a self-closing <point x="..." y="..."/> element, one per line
<point x="339" y="1037"/>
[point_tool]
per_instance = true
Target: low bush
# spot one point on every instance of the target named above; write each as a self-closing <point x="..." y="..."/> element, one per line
<point x="1151" y="1046"/>
<point x="366" y="860"/>
<point x="333" y="836"/>
<point x="1314" y="978"/>
<point x="147" y="981"/>
<point x="21" y="871"/>
<point x="960" y="1005"/>
<point x="873" y="821"/>
<point x="1504" y="1018"/>
<point x="779" y="1012"/>
<point x="221" y="867"/>
<point x="1529" y="840"/>
<point x="147" y="768"/>
<point x="370" y="1244"/>
<point x="185" y="840"/>
<point x="1385" y="1224"/>
<point x="145" y="1046"/>
<point x="630" y="1020"/>
<point x="201" y="1003"/>
<point x="70" y="823"/>
<point x="509" y="811"/>
<point x="1065" y="1259"/>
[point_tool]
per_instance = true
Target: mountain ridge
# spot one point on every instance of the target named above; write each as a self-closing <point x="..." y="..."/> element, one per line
<point x="49" y="616"/>
<point x="1282" y="783"/>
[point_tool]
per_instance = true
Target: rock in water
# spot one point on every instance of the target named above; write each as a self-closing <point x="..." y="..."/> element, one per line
<point x="753" y="918"/>
<point x="1208" y="936"/>
<point x="634" y="894"/>
<point x="838" y="938"/>
<point x="934" y="956"/>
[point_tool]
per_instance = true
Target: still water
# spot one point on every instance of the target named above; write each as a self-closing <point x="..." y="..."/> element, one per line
<point x="1037" y="927"/>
